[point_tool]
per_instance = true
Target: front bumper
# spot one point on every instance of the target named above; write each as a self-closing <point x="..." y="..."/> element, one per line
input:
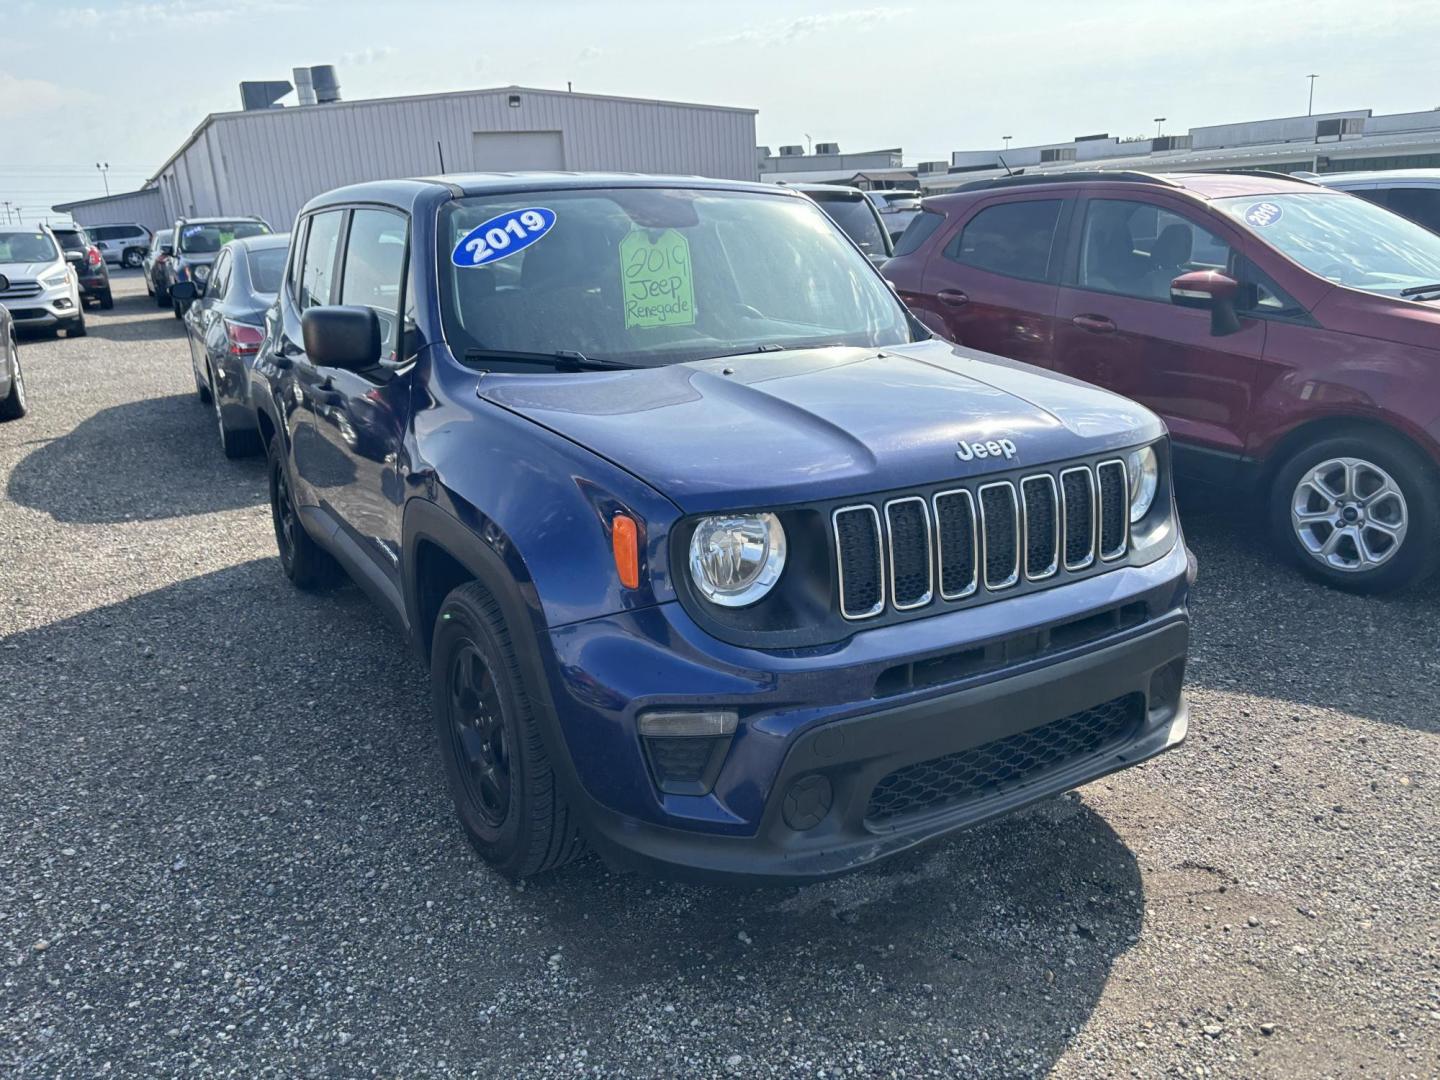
<point x="54" y="306"/>
<point x="808" y="786"/>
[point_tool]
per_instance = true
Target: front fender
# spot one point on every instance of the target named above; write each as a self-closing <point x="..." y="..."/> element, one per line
<point x="540" y="503"/>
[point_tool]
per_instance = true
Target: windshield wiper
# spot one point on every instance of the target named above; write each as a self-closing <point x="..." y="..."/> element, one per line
<point x="1416" y="290"/>
<point x="562" y="360"/>
<point x="768" y="347"/>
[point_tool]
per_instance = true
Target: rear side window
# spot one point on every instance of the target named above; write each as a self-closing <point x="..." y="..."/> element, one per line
<point x="922" y="226"/>
<point x="267" y="268"/>
<point x="317" y="285"/>
<point x="1013" y="238"/>
<point x="1420" y="205"/>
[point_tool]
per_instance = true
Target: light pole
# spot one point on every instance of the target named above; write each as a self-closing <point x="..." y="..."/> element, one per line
<point x="105" y="174"/>
<point x="7" y="211"/>
<point x="1007" y="139"/>
<point x="1310" y="109"/>
<point x="1158" y="121"/>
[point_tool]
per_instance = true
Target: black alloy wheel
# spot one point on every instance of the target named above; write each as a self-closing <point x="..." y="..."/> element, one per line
<point x="477" y="734"/>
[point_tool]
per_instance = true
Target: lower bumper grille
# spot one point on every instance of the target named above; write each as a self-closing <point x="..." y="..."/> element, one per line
<point x="1005" y="763"/>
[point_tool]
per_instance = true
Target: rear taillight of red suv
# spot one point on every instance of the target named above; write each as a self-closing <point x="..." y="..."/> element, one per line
<point x="243" y="338"/>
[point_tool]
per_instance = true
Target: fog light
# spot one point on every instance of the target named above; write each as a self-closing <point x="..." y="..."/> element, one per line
<point x="62" y="303"/>
<point x="686" y="749"/>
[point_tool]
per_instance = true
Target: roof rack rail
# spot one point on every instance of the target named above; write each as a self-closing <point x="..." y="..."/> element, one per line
<point x="1269" y="174"/>
<point x="1075" y="176"/>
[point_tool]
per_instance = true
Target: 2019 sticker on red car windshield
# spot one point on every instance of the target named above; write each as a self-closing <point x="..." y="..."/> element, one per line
<point x="1263" y="214"/>
<point x="502" y="235"/>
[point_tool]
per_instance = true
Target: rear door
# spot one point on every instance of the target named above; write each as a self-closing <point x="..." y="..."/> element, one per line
<point x="1117" y="327"/>
<point x="992" y="284"/>
<point x="203" y="322"/>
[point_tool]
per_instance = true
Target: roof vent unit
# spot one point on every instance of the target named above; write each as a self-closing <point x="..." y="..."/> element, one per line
<point x="262" y="95"/>
<point x="827" y="148"/>
<point x="327" y="85"/>
<point x="1059" y="153"/>
<point x="792" y="151"/>
<point x="1170" y="142"/>
<point x="925" y="168"/>
<point x="304" y="86"/>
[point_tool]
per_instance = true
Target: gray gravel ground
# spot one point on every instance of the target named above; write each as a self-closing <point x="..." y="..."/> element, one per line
<point x="228" y="850"/>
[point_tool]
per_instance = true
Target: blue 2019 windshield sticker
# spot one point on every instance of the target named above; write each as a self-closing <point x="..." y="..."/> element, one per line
<point x="502" y="235"/>
<point x="1262" y="214"/>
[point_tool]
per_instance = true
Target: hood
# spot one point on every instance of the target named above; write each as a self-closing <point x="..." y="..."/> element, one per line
<point x="791" y="427"/>
<point x="28" y="271"/>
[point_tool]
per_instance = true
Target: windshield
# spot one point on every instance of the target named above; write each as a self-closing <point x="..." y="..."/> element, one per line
<point x="854" y="214"/>
<point x="1343" y="239"/>
<point x="267" y="269"/>
<point x="27" y="247"/>
<point x="210" y="237"/>
<point x="650" y="276"/>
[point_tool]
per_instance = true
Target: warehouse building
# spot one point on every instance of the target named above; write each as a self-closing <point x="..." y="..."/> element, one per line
<point x="1325" y="142"/>
<point x="270" y="161"/>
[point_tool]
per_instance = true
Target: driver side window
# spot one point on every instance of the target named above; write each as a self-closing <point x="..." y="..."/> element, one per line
<point x="375" y="269"/>
<point x="1137" y="249"/>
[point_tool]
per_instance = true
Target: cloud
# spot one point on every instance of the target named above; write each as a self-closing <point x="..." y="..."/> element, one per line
<point x="371" y="55"/>
<point x="138" y="15"/>
<point x="23" y="96"/>
<point x="786" y="31"/>
<point x="590" y="52"/>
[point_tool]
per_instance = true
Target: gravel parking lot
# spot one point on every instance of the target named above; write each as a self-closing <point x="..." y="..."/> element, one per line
<point x="228" y="848"/>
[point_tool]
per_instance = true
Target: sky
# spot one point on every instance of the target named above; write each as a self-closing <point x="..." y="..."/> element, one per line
<point x="123" y="82"/>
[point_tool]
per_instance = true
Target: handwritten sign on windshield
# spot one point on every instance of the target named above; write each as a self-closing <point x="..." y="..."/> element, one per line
<point x="656" y="272"/>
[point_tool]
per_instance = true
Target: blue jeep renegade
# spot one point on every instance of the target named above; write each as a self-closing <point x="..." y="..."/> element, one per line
<point x="721" y="563"/>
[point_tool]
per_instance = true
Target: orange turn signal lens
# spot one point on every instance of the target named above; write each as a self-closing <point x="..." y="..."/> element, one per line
<point x="624" y="537"/>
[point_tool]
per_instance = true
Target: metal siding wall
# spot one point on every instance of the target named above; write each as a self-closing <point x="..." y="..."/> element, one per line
<point x="140" y="207"/>
<point x="277" y="160"/>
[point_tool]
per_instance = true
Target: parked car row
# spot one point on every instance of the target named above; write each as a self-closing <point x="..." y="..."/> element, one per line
<point x="40" y="284"/>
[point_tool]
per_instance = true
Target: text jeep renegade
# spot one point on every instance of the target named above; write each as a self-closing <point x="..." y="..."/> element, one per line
<point x="719" y="561"/>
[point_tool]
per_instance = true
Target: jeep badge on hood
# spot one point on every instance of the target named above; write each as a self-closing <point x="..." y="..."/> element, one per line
<point x="994" y="448"/>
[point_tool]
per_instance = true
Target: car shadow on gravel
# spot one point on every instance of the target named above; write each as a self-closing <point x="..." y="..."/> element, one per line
<point x="1263" y="628"/>
<point x="134" y="318"/>
<point x="148" y="459"/>
<point x="245" y="776"/>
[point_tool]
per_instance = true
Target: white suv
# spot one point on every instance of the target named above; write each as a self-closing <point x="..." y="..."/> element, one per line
<point x="897" y="209"/>
<point x="37" y="286"/>
<point x="1411" y="193"/>
<point x="124" y="245"/>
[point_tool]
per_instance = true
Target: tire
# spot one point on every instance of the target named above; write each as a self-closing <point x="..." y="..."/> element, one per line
<point x="308" y="566"/>
<point x="233" y="444"/>
<point x="162" y="297"/>
<point x="178" y="308"/>
<point x="77" y="326"/>
<point x="1366" y="556"/>
<point x="107" y="300"/>
<point x="505" y="791"/>
<point x="14" y="406"/>
<point x="132" y="259"/>
<point x="202" y="388"/>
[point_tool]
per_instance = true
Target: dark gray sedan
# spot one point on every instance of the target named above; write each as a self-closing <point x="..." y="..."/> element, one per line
<point x="225" y="324"/>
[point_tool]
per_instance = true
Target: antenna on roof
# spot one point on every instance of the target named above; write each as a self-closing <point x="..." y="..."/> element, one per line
<point x="1001" y="158"/>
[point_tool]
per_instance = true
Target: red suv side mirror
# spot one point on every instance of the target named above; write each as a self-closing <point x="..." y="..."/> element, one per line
<point x="1212" y="291"/>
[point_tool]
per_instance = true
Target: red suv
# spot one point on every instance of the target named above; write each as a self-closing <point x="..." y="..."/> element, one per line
<point x="1287" y="333"/>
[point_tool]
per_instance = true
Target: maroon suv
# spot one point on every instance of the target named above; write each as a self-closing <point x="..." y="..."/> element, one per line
<point x="1288" y="334"/>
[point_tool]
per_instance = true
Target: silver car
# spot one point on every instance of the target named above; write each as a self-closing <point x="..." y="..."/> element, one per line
<point x="12" y="380"/>
<point x="37" y="285"/>
<point x="123" y="245"/>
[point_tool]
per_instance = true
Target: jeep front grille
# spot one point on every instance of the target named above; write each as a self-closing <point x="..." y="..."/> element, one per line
<point x="963" y="541"/>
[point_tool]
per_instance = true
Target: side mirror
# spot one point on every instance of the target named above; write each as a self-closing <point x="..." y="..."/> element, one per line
<point x="1212" y="291"/>
<point x="347" y="338"/>
<point x="77" y="257"/>
<point x="184" y="291"/>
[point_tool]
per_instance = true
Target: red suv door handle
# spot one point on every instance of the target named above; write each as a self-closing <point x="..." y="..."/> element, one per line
<point x="1096" y="324"/>
<point x="953" y="297"/>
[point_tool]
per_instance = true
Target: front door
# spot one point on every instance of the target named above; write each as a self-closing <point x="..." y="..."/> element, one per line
<point x="992" y="284"/>
<point x="362" y="416"/>
<point x="1117" y="328"/>
<point x="203" y="325"/>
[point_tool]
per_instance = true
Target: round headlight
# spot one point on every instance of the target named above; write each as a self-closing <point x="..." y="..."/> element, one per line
<point x="202" y="273"/>
<point x="735" y="559"/>
<point x="1144" y="469"/>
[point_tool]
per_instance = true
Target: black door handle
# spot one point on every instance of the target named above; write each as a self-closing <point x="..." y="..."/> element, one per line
<point x="953" y="297"/>
<point x="1096" y="324"/>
